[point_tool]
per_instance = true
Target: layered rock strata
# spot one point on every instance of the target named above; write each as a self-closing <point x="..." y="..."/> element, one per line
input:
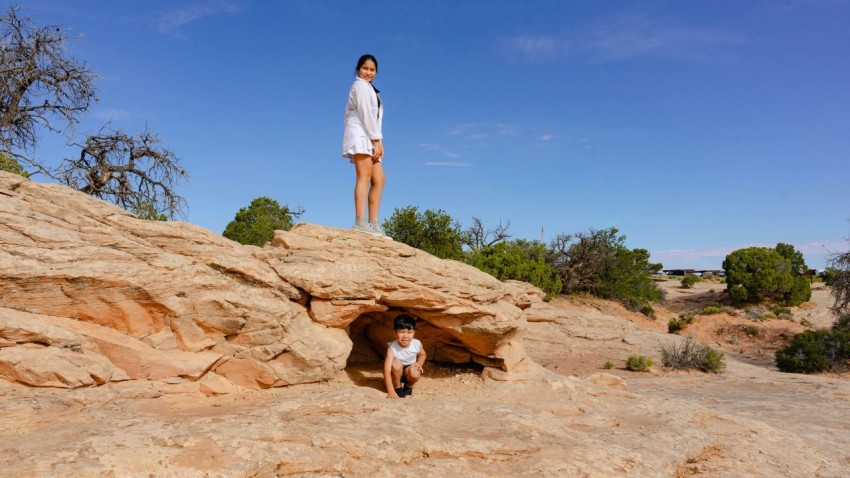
<point x="90" y="294"/>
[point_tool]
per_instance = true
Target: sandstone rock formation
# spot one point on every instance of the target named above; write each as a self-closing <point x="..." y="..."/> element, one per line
<point x="747" y="422"/>
<point x="111" y="328"/>
<point x="90" y="294"/>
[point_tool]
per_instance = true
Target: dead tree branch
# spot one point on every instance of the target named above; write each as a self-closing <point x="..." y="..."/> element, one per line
<point x="134" y="172"/>
<point x="41" y="86"/>
<point x="840" y="284"/>
<point x="477" y="237"/>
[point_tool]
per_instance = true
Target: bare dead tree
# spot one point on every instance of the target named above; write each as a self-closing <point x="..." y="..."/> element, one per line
<point x="478" y="237"/>
<point x="41" y="85"/>
<point x="841" y="283"/>
<point x="134" y="172"/>
<point x="579" y="258"/>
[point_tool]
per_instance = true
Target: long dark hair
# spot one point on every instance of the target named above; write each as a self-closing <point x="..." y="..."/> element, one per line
<point x="363" y="60"/>
<point x="360" y="62"/>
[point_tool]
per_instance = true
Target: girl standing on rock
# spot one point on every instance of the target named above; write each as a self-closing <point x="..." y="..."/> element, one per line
<point x="362" y="145"/>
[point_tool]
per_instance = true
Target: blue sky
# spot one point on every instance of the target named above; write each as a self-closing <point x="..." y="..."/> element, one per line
<point x="695" y="128"/>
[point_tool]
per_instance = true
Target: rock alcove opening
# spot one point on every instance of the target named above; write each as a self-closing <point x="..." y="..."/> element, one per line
<point x="370" y="333"/>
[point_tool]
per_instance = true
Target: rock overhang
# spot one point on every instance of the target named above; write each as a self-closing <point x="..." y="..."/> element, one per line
<point x="271" y="316"/>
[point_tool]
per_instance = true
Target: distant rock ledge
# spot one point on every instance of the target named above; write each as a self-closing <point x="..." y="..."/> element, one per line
<point x="90" y="294"/>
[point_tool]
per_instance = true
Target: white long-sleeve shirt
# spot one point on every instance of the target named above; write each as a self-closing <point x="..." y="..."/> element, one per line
<point x="362" y="121"/>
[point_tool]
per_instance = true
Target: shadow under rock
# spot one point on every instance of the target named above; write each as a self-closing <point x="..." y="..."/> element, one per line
<point x="367" y="374"/>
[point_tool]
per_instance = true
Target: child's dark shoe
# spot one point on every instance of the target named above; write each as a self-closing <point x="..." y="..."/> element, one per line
<point x="401" y="392"/>
<point x="408" y="391"/>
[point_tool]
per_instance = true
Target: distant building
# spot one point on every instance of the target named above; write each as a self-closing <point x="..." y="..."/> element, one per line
<point x="678" y="272"/>
<point x="696" y="272"/>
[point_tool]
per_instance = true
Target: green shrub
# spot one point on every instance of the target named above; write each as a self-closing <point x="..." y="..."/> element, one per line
<point x="690" y="355"/>
<point x="751" y="331"/>
<point x="801" y="291"/>
<point x="762" y="313"/>
<point x="805" y="354"/>
<point x="147" y="212"/>
<point x="608" y="365"/>
<point x="518" y="260"/>
<point x="842" y="323"/>
<point x="434" y="232"/>
<point x="757" y="313"/>
<point x="794" y="258"/>
<point x="648" y="311"/>
<point x="633" y="303"/>
<point x="758" y="273"/>
<point x="256" y="223"/>
<point x="828" y="275"/>
<point x="712" y="309"/>
<point x="689" y="280"/>
<point x="599" y="263"/>
<point x="713" y="361"/>
<point x="816" y="351"/>
<point x="674" y="326"/>
<point x="638" y="363"/>
<point x="779" y="310"/>
<point x="11" y="165"/>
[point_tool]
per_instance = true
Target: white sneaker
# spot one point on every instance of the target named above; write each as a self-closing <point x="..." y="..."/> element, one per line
<point x="379" y="231"/>
<point x="363" y="227"/>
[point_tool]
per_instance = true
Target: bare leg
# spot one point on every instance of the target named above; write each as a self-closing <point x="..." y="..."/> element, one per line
<point x="375" y="192"/>
<point x="396" y="373"/>
<point x="412" y="376"/>
<point x="363" y="167"/>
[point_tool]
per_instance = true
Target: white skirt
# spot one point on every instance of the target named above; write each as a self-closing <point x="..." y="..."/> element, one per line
<point x="361" y="145"/>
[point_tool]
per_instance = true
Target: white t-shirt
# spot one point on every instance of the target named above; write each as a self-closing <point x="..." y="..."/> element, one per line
<point x="407" y="356"/>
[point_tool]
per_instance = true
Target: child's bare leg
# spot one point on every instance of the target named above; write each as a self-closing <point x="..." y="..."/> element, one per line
<point x="413" y="375"/>
<point x="395" y="373"/>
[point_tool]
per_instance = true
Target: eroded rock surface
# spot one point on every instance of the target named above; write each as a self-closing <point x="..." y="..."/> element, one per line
<point x="137" y="299"/>
<point x="748" y="422"/>
<point x="131" y="348"/>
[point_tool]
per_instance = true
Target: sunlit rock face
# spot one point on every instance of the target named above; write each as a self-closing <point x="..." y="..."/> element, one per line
<point x="89" y="294"/>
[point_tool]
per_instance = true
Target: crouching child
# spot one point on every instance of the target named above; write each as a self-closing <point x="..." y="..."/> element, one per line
<point x="405" y="358"/>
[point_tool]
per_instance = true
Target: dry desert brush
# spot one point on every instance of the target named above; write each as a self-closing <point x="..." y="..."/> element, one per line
<point x="690" y="355"/>
<point x="689" y="280"/>
<point x="712" y="309"/>
<point x="674" y="326"/>
<point x="638" y="363"/>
